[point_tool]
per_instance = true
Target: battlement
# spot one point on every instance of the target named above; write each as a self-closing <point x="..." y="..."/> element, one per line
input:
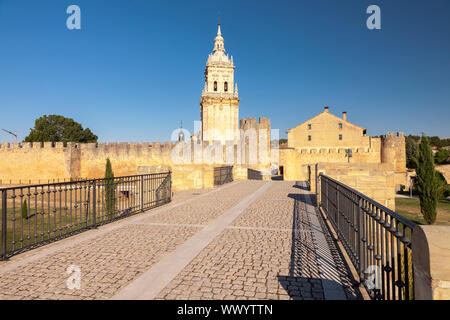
<point x="334" y="150"/>
<point x="250" y="123"/>
<point x="394" y="135"/>
<point x="85" y="146"/>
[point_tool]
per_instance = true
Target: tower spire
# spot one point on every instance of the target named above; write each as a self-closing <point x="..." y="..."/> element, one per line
<point x="219" y="41"/>
<point x="181" y="133"/>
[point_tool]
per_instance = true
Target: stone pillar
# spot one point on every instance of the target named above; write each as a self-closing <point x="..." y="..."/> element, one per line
<point x="431" y="261"/>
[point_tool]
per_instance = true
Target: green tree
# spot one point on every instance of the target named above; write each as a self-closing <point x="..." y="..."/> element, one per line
<point x="435" y="141"/>
<point x="443" y="189"/>
<point x="411" y="149"/>
<point x="24" y="209"/>
<point x="415" y="138"/>
<point x="57" y="128"/>
<point x="442" y="156"/>
<point x="110" y="189"/>
<point x="445" y="142"/>
<point x="426" y="181"/>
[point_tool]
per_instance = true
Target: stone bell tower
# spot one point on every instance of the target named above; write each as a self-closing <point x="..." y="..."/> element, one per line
<point x="219" y="107"/>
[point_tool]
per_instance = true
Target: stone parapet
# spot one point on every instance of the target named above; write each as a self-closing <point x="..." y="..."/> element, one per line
<point x="431" y="261"/>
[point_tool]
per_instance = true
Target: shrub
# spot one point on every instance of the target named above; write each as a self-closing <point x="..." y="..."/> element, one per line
<point x="24" y="209"/>
<point x="110" y="189"/>
<point x="426" y="181"/>
<point x="443" y="189"/>
<point x="442" y="156"/>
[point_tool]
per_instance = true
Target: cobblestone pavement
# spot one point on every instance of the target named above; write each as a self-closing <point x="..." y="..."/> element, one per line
<point x="107" y="263"/>
<point x="209" y="208"/>
<point x="270" y="251"/>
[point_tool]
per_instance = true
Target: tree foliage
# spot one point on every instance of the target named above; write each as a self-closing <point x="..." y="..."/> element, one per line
<point x="426" y="181"/>
<point x="443" y="188"/>
<point x="435" y="141"/>
<point x="24" y="209"/>
<point x="442" y="156"/>
<point x="110" y="189"/>
<point x="57" y="128"/>
<point x="411" y="149"/>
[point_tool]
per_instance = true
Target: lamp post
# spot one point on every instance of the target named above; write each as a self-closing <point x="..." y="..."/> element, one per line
<point x="348" y="154"/>
<point x="11" y="133"/>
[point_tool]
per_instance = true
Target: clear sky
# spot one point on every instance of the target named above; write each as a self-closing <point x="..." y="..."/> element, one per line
<point x="135" y="69"/>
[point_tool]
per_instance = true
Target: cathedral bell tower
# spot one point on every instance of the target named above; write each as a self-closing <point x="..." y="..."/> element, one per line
<point x="219" y="106"/>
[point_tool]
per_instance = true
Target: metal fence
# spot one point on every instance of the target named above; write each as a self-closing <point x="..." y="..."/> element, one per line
<point x="223" y="175"/>
<point x="34" y="215"/>
<point x="37" y="181"/>
<point x="254" y="174"/>
<point x="377" y="240"/>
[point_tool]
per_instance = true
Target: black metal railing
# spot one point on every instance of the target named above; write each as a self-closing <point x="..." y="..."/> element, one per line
<point x="254" y="174"/>
<point x="34" y="215"/>
<point x="309" y="177"/>
<point x="223" y="175"/>
<point x="377" y="240"/>
<point x="37" y="181"/>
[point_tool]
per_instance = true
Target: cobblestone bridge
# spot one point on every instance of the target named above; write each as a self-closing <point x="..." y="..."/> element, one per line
<point x="244" y="240"/>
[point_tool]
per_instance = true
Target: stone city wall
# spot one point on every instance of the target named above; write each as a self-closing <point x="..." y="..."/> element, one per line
<point x="431" y="260"/>
<point x="295" y="160"/>
<point x="445" y="170"/>
<point x="376" y="181"/>
<point x="190" y="169"/>
<point x="36" y="161"/>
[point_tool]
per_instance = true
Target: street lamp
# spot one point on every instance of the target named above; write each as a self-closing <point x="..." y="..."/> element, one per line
<point x="348" y="154"/>
<point x="11" y="133"/>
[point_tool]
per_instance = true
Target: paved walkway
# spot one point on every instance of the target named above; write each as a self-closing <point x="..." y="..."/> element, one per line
<point x="244" y="240"/>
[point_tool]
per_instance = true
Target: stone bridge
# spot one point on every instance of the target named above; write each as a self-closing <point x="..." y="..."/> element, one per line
<point x="243" y="240"/>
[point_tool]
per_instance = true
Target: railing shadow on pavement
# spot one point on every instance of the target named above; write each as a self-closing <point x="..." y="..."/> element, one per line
<point x="306" y="280"/>
<point x="301" y="186"/>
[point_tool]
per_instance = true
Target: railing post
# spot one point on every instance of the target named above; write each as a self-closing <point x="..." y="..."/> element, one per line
<point x="327" y="184"/>
<point x="317" y="184"/>
<point x="142" y="193"/>
<point x="94" y="205"/>
<point x="170" y="186"/>
<point x="337" y="210"/>
<point x="4" y="226"/>
<point x="360" y="250"/>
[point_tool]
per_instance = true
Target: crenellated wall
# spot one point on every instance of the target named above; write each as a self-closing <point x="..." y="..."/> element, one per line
<point x="376" y="171"/>
<point x="125" y="157"/>
<point x="38" y="161"/>
<point x="188" y="161"/>
<point x="389" y="150"/>
<point x="262" y="146"/>
<point x="376" y="181"/>
<point x="295" y="160"/>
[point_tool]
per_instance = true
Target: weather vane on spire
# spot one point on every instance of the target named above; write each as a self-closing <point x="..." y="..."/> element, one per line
<point x="218" y="18"/>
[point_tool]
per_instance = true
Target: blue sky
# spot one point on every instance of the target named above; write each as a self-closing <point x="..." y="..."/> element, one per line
<point x="135" y="69"/>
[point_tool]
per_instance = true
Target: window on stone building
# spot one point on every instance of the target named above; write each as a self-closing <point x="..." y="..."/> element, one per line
<point x="309" y="138"/>
<point x="309" y="126"/>
<point x="340" y="125"/>
<point x="340" y="137"/>
<point x="215" y="85"/>
<point x="225" y="86"/>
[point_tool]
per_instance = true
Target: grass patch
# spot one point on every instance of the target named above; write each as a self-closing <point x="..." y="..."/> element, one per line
<point x="410" y="209"/>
